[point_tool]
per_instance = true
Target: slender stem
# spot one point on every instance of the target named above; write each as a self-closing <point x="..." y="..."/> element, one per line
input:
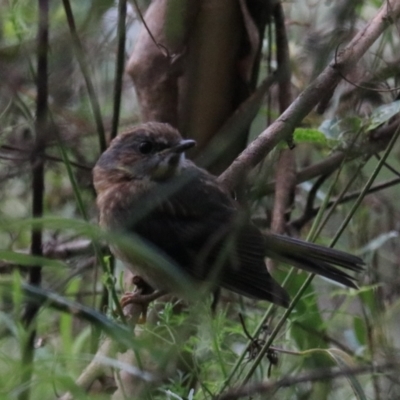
<point x="339" y="198"/>
<point x="35" y="273"/>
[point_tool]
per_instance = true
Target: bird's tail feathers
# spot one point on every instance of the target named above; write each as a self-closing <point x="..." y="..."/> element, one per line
<point x="313" y="258"/>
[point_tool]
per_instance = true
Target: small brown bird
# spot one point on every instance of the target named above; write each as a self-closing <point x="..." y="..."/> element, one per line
<point x="145" y="185"/>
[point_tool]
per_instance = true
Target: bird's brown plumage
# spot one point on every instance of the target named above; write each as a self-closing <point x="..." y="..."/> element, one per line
<point x="144" y="185"/>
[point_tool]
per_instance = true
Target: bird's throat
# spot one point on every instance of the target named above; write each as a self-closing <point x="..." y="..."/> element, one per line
<point x="167" y="167"/>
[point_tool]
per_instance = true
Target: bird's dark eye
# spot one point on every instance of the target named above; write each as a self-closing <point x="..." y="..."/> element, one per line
<point x="146" y="147"/>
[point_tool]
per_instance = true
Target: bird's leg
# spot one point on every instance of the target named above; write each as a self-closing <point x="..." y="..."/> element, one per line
<point x="143" y="295"/>
<point x="216" y="295"/>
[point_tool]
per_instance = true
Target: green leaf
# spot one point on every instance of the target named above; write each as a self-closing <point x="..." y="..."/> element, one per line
<point x="309" y="135"/>
<point x="360" y="330"/>
<point x="369" y="298"/>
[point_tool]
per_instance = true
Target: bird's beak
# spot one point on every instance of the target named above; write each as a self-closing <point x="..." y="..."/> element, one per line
<point x="182" y="146"/>
<point x="171" y="159"/>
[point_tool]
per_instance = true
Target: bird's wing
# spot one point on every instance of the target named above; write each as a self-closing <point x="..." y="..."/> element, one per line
<point x="185" y="218"/>
<point x="199" y="226"/>
<point x="249" y="274"/>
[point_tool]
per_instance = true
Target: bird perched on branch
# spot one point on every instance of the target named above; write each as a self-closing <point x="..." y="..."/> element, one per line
<point x="145" y="186"/>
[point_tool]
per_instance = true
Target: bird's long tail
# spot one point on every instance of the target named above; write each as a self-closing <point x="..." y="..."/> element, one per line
<point x="313" y="258"/>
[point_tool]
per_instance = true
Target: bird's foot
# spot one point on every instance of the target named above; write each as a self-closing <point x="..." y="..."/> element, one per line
<point x="141" y="300"/>
<point x="141" y="297"/>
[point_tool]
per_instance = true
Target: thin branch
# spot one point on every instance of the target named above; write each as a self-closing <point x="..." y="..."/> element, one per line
<point x="389" y="167"/>
<point x="314" y="376"/>
<point x="283" y="127"/>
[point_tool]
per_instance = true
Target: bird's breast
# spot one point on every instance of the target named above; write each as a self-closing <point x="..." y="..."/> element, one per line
<point x="118" y="204"/>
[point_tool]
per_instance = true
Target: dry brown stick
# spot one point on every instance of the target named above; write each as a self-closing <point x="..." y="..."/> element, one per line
<point x="283" y="127"/>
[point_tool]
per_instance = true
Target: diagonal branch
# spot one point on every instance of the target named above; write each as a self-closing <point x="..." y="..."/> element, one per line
<point x="283" y="127"/>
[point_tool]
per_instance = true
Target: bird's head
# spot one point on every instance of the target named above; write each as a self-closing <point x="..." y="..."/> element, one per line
<point x="153" y="151"/>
